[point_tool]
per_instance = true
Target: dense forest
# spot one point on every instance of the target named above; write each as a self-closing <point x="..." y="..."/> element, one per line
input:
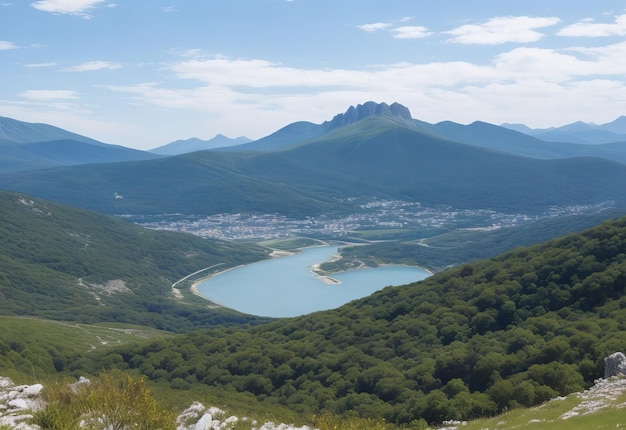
<point x="515" y="330"/>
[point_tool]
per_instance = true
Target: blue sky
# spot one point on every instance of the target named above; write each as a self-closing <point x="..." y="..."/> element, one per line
<point x="145" y="73"/>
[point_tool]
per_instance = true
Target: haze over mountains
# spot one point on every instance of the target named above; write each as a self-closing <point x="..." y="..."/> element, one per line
<point x="372" y="150"/>
<point x="194" y="144"/>
<point x="579" y="132"/>
<point x="28" y="146"/>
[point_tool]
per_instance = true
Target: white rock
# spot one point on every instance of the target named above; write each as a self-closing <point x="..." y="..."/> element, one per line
<point x="32" y="391"/>
<point x="615" y="364"/>
<point x="231" y="420"/>
<point x="18" y="404"/>
<point x="204" y="423"/>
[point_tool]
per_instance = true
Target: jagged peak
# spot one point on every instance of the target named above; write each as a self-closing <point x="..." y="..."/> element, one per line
<point x="370" y="108"/>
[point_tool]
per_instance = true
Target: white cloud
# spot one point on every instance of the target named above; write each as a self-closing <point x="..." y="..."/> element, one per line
<point x="410" y="32"/>
<point x="589" y="28"/>
<point x="510" y="29"/>
<point x="170" y="9"/>
<point x="560" y="66"/>
<point x="374" y="26"/>
<point x="93" y="66"/>
<point x="5" y="46"/>
<point x="225" y="72"/>
<point x="534" y="85"/>
<point x="607" y="60"/>
<point x="70" y="7"/>
<point x="49" y="95"/>
<point x="40" y="65"/>
<point x="402" y="32"/>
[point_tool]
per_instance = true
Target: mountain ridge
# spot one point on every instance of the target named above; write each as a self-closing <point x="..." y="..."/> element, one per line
<point x="16" y="131"/>
<point x="302" y="132"/>
<point x="31" y="146"/>
<point x="194" y="144"/>
<point x="578" y="132"/>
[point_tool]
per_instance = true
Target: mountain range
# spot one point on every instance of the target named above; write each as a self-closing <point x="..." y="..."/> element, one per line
<point x="578" y="132"/>
<point x="372" y="151"/>
<point x="194" y="144"/>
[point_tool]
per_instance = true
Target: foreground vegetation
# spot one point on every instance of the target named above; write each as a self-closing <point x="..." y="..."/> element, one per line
<point x="486" y="337"/>
<point x="108" y="402"/>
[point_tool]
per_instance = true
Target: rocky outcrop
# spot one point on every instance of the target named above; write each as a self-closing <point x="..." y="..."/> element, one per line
<point x="354" y="114"/>
<point x="615" y="364"/>
<point x="16" y="403"/>
<point x="604" y="394"/>
<point x="197" y="417"/>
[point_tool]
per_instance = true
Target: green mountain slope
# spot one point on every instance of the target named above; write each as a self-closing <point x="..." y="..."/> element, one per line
<point x="380" y="157"/>
<point x="515" y="330"/>
<point x="69" y="264"/>
<point x="28" y="146"/>
<point x="374" y="157"/>
<point x="25" y="132"/>
<point x="39" y="348"/>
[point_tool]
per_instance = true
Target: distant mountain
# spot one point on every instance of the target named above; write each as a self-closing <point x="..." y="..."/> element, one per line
<point x="194" y="144"/>
<point x="354" y="114"/>
<point x="578" y="132"/>
<point x="301" y="132"/>
<point x="519" y="140"/>
<point x="516" y="139"/>
<point x="12" y="130"/>
<point x="377" y="156"/>
<point x="616" y="126"/>
<point x="29" y="146"/>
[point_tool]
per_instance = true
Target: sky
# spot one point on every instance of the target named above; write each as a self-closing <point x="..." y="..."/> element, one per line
<point x="145" y="73"/>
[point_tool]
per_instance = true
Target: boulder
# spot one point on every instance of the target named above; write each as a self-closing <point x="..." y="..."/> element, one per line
<point x="32" y="390"/>
<point x="18" y="404"/>
<point x="615" y="364"/>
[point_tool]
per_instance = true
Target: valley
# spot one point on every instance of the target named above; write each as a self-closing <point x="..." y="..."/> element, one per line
<point x="525" y="242"/>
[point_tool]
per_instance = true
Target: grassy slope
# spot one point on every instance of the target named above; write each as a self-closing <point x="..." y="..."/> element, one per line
<point x="592" y="412"/>
<point x="32" y="349"/>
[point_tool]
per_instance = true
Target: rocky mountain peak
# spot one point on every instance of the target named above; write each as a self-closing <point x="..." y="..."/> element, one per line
<point x="354" y="114"/>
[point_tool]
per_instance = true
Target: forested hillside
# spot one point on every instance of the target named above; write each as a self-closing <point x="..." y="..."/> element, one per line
<point x="518" y="329"/>
<point x="69" y="264"/>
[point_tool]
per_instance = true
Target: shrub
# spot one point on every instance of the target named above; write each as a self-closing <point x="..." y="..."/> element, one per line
<point x="110" y="401"/>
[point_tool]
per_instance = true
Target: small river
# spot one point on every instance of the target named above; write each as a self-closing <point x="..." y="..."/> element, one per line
<point x="286" y="287"/>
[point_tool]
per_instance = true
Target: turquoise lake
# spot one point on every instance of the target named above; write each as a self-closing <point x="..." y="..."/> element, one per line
<point x="286" y="287"/>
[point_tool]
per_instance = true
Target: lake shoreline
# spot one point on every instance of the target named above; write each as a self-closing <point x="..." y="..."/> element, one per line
<point x="276" y="253"/>
<point x="297" y="286"/>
